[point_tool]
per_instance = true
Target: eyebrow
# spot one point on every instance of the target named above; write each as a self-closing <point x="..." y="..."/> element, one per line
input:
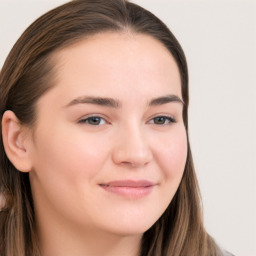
<point x="166" y="99"/>
<point x="108" y="102"/>
<point x="113" y="103"/>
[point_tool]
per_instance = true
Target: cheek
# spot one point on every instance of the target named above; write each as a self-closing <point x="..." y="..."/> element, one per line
<point x="69" y="157"/>
<point x="65" y="168"/>
<point x="172" y="155"/>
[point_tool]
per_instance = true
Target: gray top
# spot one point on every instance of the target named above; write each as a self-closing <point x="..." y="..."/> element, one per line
<point x="225" y="253"/>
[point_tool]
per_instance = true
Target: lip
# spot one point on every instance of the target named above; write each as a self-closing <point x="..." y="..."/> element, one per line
<point x="133" y="189"/>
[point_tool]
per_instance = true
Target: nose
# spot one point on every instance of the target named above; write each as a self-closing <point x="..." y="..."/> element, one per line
<point x="132" y="148"/>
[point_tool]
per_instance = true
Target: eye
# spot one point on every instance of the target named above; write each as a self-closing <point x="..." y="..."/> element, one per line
<point x="162" y="120"/>
<point x="93" y="120"/>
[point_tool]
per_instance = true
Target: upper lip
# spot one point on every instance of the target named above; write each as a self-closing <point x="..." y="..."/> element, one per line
<point x="129" y="183"/>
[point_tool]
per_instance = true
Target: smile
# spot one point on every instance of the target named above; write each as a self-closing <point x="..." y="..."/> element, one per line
<point x="129" y="188"/>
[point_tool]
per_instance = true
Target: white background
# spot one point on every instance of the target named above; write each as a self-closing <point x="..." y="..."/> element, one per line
<point x="219" y="39"/>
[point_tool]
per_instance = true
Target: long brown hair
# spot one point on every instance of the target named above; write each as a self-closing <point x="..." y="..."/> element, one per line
<point x="29" y="72"/>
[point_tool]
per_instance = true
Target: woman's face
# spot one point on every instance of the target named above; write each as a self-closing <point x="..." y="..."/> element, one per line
<point x="109" y="146"/>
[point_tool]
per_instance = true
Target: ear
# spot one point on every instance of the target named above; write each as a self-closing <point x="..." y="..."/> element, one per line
<point x="17" y="141"/>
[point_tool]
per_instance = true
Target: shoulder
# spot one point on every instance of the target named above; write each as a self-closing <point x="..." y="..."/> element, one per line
<point x="225" y="253"/>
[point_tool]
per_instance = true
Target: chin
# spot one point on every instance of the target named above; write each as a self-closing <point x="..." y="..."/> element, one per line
<point x="131" y="229"/>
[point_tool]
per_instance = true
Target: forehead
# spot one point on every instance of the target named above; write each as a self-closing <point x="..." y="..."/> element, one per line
<point x="109" y="61"/>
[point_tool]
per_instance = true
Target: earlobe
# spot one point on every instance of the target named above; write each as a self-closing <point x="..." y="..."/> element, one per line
<point x="16" y="142"/>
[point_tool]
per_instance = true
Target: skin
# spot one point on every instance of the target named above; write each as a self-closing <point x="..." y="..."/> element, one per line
<point x="69" y="156"/>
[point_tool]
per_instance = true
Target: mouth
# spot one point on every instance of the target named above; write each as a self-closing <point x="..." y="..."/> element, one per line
<point x="129" y="188"/>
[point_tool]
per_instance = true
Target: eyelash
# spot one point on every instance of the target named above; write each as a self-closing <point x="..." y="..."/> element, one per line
<point x="167" y="120"/>
<point x="90" y="118"/>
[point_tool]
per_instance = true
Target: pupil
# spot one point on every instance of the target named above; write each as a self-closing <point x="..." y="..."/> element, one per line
<point x="94" y="120"/>
<point x="160" y="120"/>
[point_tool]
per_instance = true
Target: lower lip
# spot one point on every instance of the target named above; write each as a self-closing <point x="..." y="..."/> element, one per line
<point x="129" y="192"/>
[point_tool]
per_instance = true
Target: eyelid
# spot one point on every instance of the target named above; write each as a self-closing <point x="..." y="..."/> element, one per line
<point x="85" y="118"/>
<point x="168" y="117"/>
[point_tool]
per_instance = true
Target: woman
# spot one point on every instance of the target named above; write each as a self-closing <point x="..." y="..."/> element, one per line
<point x="95" y="156"/>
